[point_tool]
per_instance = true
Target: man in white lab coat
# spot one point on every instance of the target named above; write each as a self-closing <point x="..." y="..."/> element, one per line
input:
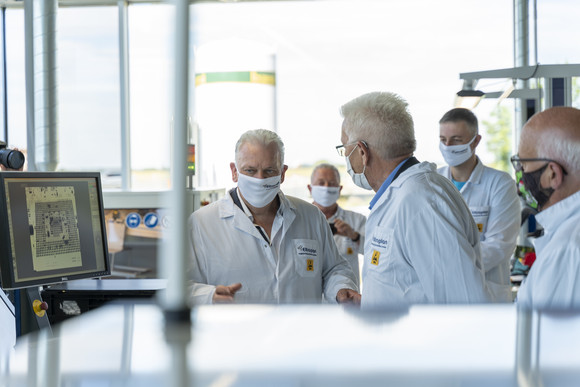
<point x="348" y="227"/>
<point x="257" y="245"/>
<point x="490" y="194"/>
<point x="549" y="158"/>
<point x="422" y="245"/>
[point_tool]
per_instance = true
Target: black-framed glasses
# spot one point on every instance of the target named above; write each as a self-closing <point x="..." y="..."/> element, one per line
<point x="517" y="162"/>
<point x="341" y="149"/>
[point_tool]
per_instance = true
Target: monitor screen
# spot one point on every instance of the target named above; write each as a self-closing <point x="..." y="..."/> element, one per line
<point x="52" y="228"/>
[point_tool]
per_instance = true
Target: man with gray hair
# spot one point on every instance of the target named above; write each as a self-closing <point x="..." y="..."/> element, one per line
<point x="490" y="194"/>
<point x="549" y="159"/>
<point x="257" y="245"/>
<point x="348" y="227"/>
<point x="422" y="245"/>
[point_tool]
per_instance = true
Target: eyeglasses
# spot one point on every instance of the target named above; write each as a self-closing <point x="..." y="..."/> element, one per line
<point x="517" y="162"/>
<point x="341" y="149"/>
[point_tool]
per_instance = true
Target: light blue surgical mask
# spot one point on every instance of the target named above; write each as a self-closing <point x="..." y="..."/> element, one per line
<point x="358" y="179"/>
<point x="325" y="196"/>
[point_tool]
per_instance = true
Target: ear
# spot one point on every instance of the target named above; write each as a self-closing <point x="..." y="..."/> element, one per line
<point x="475" y="143"/>
<point x="556" y="175"/>
<point x="340" y="189"/>
<point x="234" y="172"/>
<point x="364" y="152"/>
<point x="309" y="189"/>
<point x="284" y="169"/>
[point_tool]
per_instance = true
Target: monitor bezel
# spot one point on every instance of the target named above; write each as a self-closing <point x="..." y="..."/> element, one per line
<point x="7" y="275"/>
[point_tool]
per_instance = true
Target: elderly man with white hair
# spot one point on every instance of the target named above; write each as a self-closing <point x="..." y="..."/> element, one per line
<point x="549" y="157"/>
<point x="422" y="245"/>
<point x="257" y="245"/>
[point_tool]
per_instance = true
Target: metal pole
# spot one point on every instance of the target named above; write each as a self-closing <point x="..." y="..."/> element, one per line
<point x="177" y="312"/>
<point x="125" y="105"/>
<point x="29" y="72"/>
<point x="521" y="58"/>
<point x="4" y="80"/>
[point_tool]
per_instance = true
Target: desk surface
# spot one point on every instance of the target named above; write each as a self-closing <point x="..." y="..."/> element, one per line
<point x="306" y="345"/>
<point x="110" y="285"/>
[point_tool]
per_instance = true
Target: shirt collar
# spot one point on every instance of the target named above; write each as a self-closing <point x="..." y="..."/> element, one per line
<point x="249" y="213"/>
<point x="554" y="215"/>
<point x="386" y="184"/>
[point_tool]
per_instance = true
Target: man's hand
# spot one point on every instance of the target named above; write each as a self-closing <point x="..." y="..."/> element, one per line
<point x="225" y="294"/>
<point x="348" y="296"/>
<point x="344" y="229"/>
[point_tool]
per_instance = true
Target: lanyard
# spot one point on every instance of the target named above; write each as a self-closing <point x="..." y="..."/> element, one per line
<point x="237" y="202"/>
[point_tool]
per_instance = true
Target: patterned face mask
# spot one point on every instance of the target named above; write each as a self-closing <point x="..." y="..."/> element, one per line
<point x="523" y="191"/>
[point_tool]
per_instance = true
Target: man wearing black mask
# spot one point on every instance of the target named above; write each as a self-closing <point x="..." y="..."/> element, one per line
<point x="549" y="159"/>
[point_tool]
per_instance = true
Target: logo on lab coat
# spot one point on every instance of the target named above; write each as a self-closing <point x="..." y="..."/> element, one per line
<point x="310" y="265"/>
<point x="375" y="257"/>
<point x="379" y="242"/>
<point x="303" y="250"/>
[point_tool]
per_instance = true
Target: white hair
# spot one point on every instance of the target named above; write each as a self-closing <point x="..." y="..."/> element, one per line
<point x="565" y="151"/>
<point x="382" y="120"/>
<point x="264" y="137"/>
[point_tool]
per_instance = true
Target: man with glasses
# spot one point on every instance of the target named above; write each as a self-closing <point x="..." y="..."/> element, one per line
<point x="422" y="245"/>
<point x="549" y="159"/>
<point x="490" y="194"/>
<point x="257" y="245"/>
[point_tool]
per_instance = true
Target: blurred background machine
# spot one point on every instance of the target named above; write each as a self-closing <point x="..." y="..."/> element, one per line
<point x="136" y="222"/>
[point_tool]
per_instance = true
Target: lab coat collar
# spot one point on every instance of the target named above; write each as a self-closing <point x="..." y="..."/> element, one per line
<point x="553" y="216"/>
<point x="337" y="215"/>
<point x="474" y="178"/>
<point x="400" y="180"/>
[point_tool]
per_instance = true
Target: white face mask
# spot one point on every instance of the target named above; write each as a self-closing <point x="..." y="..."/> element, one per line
<point x="325" y="196"/>
<point x="358" y="179"/>
<point x="259" y="192"/>
<point x="455" y="155"/>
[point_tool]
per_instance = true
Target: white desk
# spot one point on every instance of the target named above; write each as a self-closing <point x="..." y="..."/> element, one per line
<point x="302" y="346"/>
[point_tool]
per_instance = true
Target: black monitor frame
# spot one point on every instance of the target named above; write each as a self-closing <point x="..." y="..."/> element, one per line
<point x="86" y="241"/>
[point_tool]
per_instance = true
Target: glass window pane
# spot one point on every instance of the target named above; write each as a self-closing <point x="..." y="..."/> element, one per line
<point x="16" y="81"/>
<point x="151" y="84"/>
<point x="88" y="79"/>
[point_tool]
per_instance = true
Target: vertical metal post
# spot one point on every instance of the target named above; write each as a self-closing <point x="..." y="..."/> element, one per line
<point x="124" y="89"/>
<point x="177" y="312"/>
<point x="4" y="94"/>
<point x="45" y="84"/>
<point x="524" y="347"/>
<point x="521" y="58"/>
<point x="29" y="73"/>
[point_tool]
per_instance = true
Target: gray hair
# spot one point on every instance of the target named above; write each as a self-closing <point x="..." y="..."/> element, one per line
<point x="462" y="114"/>
<point x="325" y="166"/>
<point x="383" y="121"/>
<point x="556" y="135"/>
<point x="263" y="137"/>
<point x="565" y="151"/>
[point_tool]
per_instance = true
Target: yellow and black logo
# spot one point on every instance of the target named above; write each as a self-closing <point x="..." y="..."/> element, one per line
<point x="310" y="265"/>
<point x="375" y="258"/>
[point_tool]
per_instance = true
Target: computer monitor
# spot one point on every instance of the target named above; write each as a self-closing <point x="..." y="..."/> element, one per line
<point x="52" y="228"/>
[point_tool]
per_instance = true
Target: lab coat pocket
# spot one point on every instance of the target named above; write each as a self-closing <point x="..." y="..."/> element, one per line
<point x="379" y="247"/>
<point x="307" y="261"/>
<point x="480" y="215"/>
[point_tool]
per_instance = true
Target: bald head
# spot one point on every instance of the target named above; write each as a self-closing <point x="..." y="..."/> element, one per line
<point x="553" y="134"/>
